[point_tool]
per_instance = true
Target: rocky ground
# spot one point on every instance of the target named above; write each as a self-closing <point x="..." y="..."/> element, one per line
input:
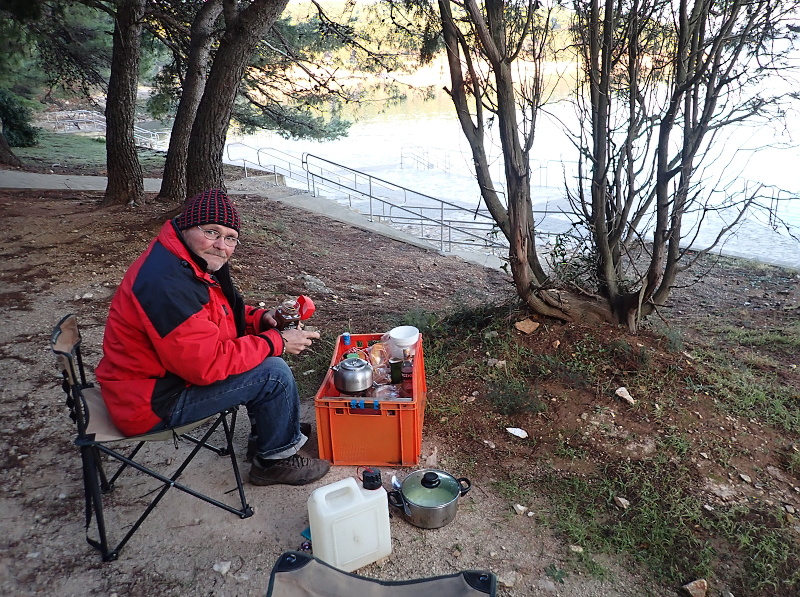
<point x="65" y="253"/>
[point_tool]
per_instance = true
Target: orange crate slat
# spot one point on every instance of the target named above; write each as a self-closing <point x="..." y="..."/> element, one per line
<point x="388" y="435"/>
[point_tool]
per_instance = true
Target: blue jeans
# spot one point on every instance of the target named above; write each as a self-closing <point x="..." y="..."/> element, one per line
<point x="270" y="394"/>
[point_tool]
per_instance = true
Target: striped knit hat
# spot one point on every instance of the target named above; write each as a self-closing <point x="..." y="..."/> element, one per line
<point x="209" y="207"/>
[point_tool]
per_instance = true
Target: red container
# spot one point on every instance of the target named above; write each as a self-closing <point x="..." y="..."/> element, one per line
<point x="359" y="432"/>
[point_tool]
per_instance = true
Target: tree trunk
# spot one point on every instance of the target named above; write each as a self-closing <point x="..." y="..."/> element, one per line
<point x="125" y="182"/>
<point x="7" y="156"/>
<point x="243" y="31"/>
<point x="173" y="183"/>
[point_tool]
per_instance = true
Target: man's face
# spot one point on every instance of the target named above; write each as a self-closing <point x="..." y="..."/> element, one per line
<point x="215" y="252"/>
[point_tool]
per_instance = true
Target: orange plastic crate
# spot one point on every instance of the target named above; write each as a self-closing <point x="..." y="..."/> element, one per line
<point x="351" y="431"/>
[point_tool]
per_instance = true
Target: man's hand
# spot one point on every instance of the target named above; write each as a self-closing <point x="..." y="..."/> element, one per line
<point x="268" y="320"/>
<point x="297" y="340"/>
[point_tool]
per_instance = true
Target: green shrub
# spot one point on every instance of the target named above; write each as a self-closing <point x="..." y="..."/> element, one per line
<point x="16" y="119"/>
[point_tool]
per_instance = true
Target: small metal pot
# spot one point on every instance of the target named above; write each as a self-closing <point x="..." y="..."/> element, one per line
<point x="352" y="376"/>
<point x="429" y="498"/>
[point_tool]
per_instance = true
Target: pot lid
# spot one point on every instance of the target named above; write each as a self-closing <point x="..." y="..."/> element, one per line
<point x="430" y="488"/>
<point x="353" y="364"/>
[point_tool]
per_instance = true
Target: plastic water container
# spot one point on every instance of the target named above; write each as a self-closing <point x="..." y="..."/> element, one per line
<point x="349" y="524"/>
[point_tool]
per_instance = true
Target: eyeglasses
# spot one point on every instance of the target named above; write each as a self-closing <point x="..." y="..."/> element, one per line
<point x="210" y="234"/>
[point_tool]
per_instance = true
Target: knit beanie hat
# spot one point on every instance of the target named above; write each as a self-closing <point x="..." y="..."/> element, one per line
<point x="209" y="207"/>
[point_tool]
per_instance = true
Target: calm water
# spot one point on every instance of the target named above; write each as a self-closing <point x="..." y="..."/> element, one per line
<point x="380" y="144"/>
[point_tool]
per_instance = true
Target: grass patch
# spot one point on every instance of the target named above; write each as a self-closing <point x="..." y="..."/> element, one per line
<point x="80" y="151"/>
<point x="786" y="338"/>
<point x="658" y="528"/>
<point x="752" y="392"/>
<point x="666" y="528"/>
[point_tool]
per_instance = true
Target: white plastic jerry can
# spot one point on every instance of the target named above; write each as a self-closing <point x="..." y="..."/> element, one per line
<point x="349" y="524"/>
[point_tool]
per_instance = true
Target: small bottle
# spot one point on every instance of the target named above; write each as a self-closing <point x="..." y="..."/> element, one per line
<point x="407" y="374"/>
<point x="287" y="315"/>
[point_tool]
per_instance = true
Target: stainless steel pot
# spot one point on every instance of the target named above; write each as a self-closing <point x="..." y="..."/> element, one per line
<point x="352" y="376"/>
<point x="428" y="498"/>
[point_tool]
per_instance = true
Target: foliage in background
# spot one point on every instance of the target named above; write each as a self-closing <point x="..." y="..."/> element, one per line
<point x="16" y="119"/>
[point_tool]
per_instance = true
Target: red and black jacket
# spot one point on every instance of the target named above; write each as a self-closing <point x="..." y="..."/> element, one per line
<point x="171" y="325"/>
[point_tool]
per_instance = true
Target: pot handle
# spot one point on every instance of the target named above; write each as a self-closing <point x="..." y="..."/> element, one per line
<point x="465" y="485"/>
<point x="397" y="500"/>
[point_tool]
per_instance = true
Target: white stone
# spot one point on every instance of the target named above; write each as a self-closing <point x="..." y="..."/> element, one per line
<point x="545" y="584"/>
<point x="222" y="567"/>
<point x="621" y="502"/>
<point x="625" y="395"/>
<point x="517" y="431"/>
<point x="520" y="509"/>
<point x="745" y="478"/>
<point x="508" y="579"/>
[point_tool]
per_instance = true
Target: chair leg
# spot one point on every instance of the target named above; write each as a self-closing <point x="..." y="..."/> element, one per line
<point x="124" y="464"/>
<point x="93" y="480"/>
<point x="95" y="483"/>
<point x="228" y="447"/>
<point x="246" y="511"/>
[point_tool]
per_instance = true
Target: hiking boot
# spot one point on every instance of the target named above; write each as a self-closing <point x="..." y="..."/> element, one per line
<point x="252" y="447"/>
<point x="295" y="470"/>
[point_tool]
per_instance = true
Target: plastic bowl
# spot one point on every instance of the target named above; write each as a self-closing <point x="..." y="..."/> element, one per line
<point x="404" y="336"/>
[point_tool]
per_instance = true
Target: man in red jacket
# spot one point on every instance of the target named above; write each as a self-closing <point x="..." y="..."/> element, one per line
<point x="180" y="345"/>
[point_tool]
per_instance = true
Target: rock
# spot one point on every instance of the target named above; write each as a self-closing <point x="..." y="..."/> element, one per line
<point x="432" y="461"/>
<point x="696" y="588"/>
<point x="745" y="478"/>
<point x="576" y="549"/>
<point x="789" y="508"/>
<point x="508" y="579"/>
<point x="490" y="443"/>
<point x="625" y="395"/>
<point x="545" y="584"/>
<point x="517" y="431"/>
<point x="520" y="509"/>
<point x="222" y="567"/>
<point x="314" y="284"/>
<point x="776" y="473"/>
<point x="723" y="491"/>
<point x="491" y="334"/>
<point x="527" y="326"/>
<point x="621" y="502"/>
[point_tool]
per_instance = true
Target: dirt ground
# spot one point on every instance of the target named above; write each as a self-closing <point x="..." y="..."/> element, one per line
<point x="64" y="253"/>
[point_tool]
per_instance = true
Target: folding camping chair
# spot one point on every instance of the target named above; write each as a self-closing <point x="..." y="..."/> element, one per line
<point x="96" y="431"/>
<point x="297" y="574"/>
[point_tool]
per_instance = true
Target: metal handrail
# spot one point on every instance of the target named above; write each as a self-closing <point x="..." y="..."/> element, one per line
<point x="67" y="119"/>
<point x="432" y="219"/>
<point x="396" y="198"/>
